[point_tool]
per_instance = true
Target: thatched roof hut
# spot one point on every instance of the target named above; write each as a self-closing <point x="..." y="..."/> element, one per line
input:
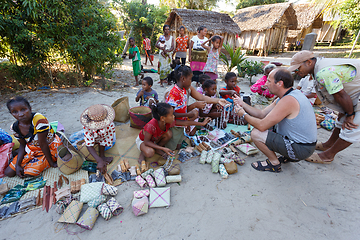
<point x="309" y="17"/>
<point x="264" y="28"/>
<point x="216" y="23"/>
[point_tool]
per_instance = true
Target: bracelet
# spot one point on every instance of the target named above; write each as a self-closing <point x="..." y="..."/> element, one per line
<point x="244" y="114"/>
<point x="349" y="115"/>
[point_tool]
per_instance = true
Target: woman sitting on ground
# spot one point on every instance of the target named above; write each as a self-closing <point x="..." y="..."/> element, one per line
<point x="38" y="142"/>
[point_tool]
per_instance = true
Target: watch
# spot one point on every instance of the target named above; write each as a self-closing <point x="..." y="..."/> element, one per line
<point x="349" y="115"/>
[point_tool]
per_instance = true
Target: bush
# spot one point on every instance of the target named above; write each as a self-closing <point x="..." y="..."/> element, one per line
<point x="250" y="68"/>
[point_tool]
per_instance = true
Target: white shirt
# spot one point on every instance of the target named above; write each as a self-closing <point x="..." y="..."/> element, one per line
<point x="307" y="86"/>
<point x="197" y="42"/>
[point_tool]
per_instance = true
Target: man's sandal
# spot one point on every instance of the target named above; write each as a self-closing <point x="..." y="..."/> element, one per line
<point x="315" y="158"/>
<point x="283" y="159"/>
<point x="269" y="167"/>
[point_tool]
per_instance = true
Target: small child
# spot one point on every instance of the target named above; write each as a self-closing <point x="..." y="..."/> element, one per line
<point x="38" y="141"/>
<point x="156" y="133"/>
<point x="134" y="54"/>
<point x="231" y="88"/>
<point x="306" y="86"/>
<point x="99" y="129"/>
<point x="202" y="79"/>
<point x="147" y="96"/>
<point x="213" y="56"/>
<point x="259" y="87"/>
<point x="163" y="46"/>
<point x="210" y="110"/>
<point x="175" y="64"/>
<point x="147" y="48"/>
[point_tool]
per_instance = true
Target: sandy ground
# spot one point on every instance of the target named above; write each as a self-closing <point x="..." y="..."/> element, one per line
<point x="304" y="201"/>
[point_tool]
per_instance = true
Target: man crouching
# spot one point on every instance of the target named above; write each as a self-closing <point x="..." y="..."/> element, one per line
<point x="287" y="126"/>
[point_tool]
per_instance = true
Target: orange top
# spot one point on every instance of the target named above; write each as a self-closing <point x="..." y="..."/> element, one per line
<point x="182" y="44"/>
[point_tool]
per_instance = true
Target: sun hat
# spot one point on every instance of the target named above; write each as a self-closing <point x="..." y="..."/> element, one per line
<point x="162" y="38"/>
<point x="97" y="116"/>
<point x="299" y="58"/>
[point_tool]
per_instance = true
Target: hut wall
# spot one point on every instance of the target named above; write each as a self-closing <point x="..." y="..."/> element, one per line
<point x="327" y="33"/>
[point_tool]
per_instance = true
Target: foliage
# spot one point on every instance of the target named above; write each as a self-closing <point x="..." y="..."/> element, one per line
<point x="142" y="18"/>
<point x="251" y="68"/>
<point x="35" y="33"/>
<point x="235" y="57"/>
<point x="190" y="4"/>
<point x="249" y="3"/>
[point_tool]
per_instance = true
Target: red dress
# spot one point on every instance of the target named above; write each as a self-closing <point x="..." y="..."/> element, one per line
<point x="154" y="129"/>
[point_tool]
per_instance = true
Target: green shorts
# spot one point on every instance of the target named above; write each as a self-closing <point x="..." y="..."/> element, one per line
<point x="177" y="137"/>
<point x="136" y="68"/>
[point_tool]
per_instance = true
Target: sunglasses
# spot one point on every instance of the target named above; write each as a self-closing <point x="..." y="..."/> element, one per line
<point x="296" y="70"/>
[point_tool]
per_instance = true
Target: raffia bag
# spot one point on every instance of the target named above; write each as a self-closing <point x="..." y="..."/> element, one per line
<point x="81" y="146"/>
<point x="139" y="116"/>
<point x="69" y="160"/>
<point x="121" y="107"/>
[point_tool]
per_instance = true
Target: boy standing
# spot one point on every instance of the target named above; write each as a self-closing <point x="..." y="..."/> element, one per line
<point x="147" y="48"/>
<point x="134" y="54"/>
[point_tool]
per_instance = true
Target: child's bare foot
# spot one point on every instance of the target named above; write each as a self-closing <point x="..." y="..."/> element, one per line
<point x="141" y="158"/>
<point x="108" y="160"/>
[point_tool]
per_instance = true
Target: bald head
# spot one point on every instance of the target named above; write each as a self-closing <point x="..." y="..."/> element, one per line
<point x="284" y="75"/>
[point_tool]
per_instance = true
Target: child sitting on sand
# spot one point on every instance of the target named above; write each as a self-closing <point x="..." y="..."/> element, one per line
<point x="210" y="110"/>
<point x="259" y="87"/>
<point x="306" y="86"/>
<point x="156" y="133"/>
<point x="231" y="89"/>
<point x="38" y="142"/>
<point x="99" y="129"/>
<point x="202" y="79"/>
<point x="146" y="95"/>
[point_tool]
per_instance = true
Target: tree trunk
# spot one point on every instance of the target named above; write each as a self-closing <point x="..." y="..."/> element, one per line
<point x="127" y="43"/>
<point x="356" y="39"/>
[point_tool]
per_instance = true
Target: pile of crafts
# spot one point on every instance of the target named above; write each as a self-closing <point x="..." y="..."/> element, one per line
<point x="325" y="118"/>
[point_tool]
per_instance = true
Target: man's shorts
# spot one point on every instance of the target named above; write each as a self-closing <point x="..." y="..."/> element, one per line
<point x="353" y="135"/>
<point x="288" y="148"/>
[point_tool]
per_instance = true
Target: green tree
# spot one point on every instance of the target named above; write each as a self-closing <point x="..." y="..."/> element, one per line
<point x="190" y="4"/>
<point x="250" y="3"/>
<point x="142" y="18"/>
<point x="34" y="33"/>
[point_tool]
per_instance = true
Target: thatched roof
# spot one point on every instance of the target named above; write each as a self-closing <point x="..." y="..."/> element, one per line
<point x="259" y="18"/>
<point x="308" y="14"/>
<point x="216" y="23"/>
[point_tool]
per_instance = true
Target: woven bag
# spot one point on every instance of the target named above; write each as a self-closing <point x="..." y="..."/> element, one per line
<point x="139" y="116"/>
<point x="121" y="107"/>
<point x="69" y="160"/>
<point x="81" y="146"/>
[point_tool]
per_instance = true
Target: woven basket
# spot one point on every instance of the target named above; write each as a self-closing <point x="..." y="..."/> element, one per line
<point x="71" y="165"/>
<point x="121" y="108"/>
<point x="139" y="116"/>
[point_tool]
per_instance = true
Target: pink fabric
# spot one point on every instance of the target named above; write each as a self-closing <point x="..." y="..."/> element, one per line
<point x="197" y="66"/>
<point x="5" y="155"/>
<point x="256" y="88"/>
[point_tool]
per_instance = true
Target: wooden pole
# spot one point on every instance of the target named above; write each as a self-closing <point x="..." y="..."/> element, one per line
<point x="356" y="39"/>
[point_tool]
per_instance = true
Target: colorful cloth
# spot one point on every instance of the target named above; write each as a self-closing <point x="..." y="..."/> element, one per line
<point x="147" y="44"/>
<point x="34" y="161"/>
<point x="144" y="100"/>
<point x="256" y="88"/>
<point x="5" y="137"/>
<point x="177" y="98"/>
<point x="236" y="88"/>
<point x="333" y="77"/>
<point x="164" y="64"/>
<point x="154" y="129"/>
<point x="200" y="90"/>
<point x="182" y="44"/>
<point x="103" y="136"/>
<point x="212" y="62"/>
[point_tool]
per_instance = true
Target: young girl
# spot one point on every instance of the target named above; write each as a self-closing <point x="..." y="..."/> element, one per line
<point x="259" y="87"/>
<point x="134" y="54"/>
<point x="156" y="133"/>
<point x="182" y="44"/>
<point x="38" y="142"/>
<point x="231" y="88"/>
<point x="210" y="110"/>
<point x="178" y="99"/>
<point x="202" y="79"/>
<point x="99" y="129"/>
<point x="210" y="68"/>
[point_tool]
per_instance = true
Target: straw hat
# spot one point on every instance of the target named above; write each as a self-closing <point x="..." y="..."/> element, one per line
<point x="97" y="116"/>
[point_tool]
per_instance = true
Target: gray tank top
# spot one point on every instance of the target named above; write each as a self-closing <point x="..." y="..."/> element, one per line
<point x="302" y="128"/>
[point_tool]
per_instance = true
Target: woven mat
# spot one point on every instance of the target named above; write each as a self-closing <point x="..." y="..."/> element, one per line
<point x="51" y="175"/>
<point x="125" y="148"/>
